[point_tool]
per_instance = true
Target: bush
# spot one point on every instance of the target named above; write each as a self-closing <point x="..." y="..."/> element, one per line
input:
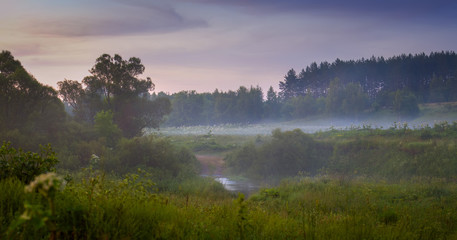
<point x="152" y="152"/>
<point x="25" y="165"/>
<point x="288" y="153"/>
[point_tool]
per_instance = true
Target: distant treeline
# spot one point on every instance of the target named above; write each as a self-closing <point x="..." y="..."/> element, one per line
<point x="342" y="88"/>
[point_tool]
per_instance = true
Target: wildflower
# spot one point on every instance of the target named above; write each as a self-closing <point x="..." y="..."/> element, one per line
<point x="94" y="159"/>
<point x="25" y="216"/>
<point x="44" y="183"/>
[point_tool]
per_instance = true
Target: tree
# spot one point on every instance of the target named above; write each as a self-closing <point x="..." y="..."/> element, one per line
<point x="115" y="77"/>
<point x="225" y="106"/>
<point x="249" y="104"/>
<point x="26" y="104"/>
<point x="290" y="87"/>
<point x="115" y="86"/>
<point x="73" y="94"/>
<point x="334" y="97"/>
<point x="106" y="128"/>
<point x="431" y="78"/>
<point x="188" y="107"/>
<point x="71" y="91"/>
<point x="301" y="107"/>
<point x="345" y="99"/>
<point x="354" y="100"/>
<point x="272" y="105"/>
<point x="439" y="89"/>
<point x="405" y="104"/>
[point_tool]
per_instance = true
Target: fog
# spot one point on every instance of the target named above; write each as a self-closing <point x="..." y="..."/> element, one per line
<point x="307" y="126"/>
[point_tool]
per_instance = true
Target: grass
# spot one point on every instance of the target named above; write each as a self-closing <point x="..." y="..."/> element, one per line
<point x="365" y="201"/>
<point x="214" y="144"/>
<point x="299" y="208"/>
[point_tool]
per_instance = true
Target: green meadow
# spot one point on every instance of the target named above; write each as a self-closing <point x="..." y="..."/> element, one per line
<point x="359" y="183"/>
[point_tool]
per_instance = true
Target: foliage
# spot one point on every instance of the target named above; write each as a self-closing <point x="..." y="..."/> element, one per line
<point x="428" y="77"/>
<point x="347" y="100"/>
<point x="418" y="199"/>
<point x="47" y="185"/>
<point x="155" y="154"/>
<point x="291" y="86"/>
<point x="300" y="107"/>
<point x="272" y="105"/>
<point x="115" y="77"/>
<point x="333" y="208"/>
<point x="101" y="206"/>
<point x="299" y="208"/>
<point x="11" y="202"/>
<point x="72" y="93"/>
<point x="190" y="108"/>
<point x="348" y="88"/>
<point x="25" y="165"/>
<point x="405" y="103"/>
<point x="103" y="124"/>
<point x="25" y="104"/>
<point x="114" y="86"/>
<point x="287" y="153"/>
<point x="398" y="152"/>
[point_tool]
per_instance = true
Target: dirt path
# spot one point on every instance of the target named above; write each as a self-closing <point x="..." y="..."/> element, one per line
<point x="211" y="165"/>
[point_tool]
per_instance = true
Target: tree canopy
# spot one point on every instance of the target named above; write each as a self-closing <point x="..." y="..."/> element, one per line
<point x="26" y="104"/>
<point x="431" y="78"/>
<point x="114" y="85"/>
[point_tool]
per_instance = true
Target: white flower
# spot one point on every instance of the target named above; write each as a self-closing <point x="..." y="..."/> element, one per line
<point x="44" y="181"/>
<point x="25" y="216"/>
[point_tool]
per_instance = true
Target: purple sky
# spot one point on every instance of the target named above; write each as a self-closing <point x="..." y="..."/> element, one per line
<point x="207" y="44"/>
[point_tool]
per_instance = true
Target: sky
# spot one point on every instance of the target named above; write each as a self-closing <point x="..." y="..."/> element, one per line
<point x="207" y="44"/>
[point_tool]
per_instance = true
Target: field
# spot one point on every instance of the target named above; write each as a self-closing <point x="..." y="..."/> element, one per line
<point x="361" y="182"/>
<point x="299" y="208"/>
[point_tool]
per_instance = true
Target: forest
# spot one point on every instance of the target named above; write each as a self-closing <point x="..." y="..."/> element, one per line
<point x="354" y="88"/>
<point x="79" y="163"/>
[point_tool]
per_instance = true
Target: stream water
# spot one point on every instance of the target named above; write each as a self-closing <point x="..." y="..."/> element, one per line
<point x="238" y="186"/>
<point x="245" y="186"/>
<point x="213" y="166"/>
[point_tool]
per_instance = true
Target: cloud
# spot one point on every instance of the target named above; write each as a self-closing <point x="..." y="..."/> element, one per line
<point x="398" y="9"/>
<point x="118" y="18"/>
<point x="24" y="49"/>
<point x="347" y="5"/>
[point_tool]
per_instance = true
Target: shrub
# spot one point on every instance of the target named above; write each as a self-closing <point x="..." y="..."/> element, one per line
<point x="25" y="165"/>
<point x="288" y="153"/>
<point x="105" y="127"/>
<point x="153" y="152"/>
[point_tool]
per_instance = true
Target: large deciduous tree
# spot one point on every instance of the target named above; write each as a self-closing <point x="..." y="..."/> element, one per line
<point x="113" y="77"/>
<point x="114" y="84"/>
<point x="26" y="104"/>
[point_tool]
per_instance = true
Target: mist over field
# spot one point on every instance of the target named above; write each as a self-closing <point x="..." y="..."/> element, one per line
<point x="307" y="126"/>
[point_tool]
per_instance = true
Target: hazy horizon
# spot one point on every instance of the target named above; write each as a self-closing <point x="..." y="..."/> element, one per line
<point x="203" y="45"/>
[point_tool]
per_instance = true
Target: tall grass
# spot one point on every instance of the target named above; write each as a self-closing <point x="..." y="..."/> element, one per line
<point x="363" y="196"/>
<point x="299" y="208"/>
<point x="399" y="152"/>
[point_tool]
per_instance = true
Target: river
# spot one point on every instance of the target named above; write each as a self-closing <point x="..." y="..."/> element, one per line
<point x="213" y="166"/>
